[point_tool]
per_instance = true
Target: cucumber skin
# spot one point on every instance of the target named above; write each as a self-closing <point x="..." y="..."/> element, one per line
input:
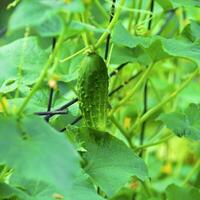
<point x="92" y="88"/>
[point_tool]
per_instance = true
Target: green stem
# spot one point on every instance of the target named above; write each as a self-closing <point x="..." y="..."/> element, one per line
<point x="85" y="34"/>
<point x="122" y="130"/>
<point x="193" y="171"/>
<point x="147" y="189"/>
<point x="4" y="107"/>
<point x="154" y="143"/>
<point x="160" y="105"/>
<point x="137" y="85"/>
<point x="74" y="55"/>
<point x="111" y="25"/>
<point x="42" y="75"/>
<point x="131" y="17"/>
<point x="139" y="13"/>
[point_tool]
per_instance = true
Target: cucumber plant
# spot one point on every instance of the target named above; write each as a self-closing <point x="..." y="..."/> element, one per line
<point x="99" y="100"/>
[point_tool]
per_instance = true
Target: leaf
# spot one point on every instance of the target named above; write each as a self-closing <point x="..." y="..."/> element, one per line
<point x="83" y="189"/>
<point x="191" y="31"/>
<point x="109" y="162"/>
<point x="186" y="3"/>
<point x="156" y="47"/>
<point x="166" y="5"/>
<point x="7" y="192"/>
<point x="32" y="59"/>
<point x="25" y="189"/>
<point x="25" y="146"/>
<point x="34" y="13"/>
<point x="32" y="190"/>
<point x="169" y="4"/>
<point x="175" y="192"/>
<point x="185" y="124"/>
<point x="52" y="26"/>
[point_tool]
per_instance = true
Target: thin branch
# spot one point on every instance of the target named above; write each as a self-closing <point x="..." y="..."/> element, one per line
<point x="65" y="106"/>
<point x="52" y="113"/>
<point x="145" y="94"/>
<point x="108" y="37"/>
<point x="151" y="10"/>
<point x="125" y="83"/>
<point x="51" y="91"/>
<point x="171" y="14"/>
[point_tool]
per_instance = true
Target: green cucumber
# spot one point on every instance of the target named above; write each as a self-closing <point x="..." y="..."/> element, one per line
<point x="92" y="89"/>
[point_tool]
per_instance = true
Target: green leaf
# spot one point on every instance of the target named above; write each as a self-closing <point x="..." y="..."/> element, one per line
<point x="169" y="4"/>
<point x="109" y="162"/>
<point x="166" y="5"/>
<point x="34" y="13"/>
<point x="53" y="26"/>
<point x="7" y="192"/>
<point x="185" y="124"/>
<point x="26" y="53"/>
<point x="83" y="189"/>
<point x="28" y="190"/>
<point x="25" y="189"/>
<point x="185" y="3"/>
<point x="175" y="192"/>
<point x="53" y="160"/>
<point x="191" y="31"/>
<point x="156" y="47"/>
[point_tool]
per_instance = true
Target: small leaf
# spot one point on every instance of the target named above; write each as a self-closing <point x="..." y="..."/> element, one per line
<point x="185" y="124"/>
<point x="25" y="53"/>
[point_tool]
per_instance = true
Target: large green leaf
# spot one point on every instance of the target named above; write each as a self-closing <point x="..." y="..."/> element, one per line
<point x="36" y="12"/>
<point x="82" y="188"/>
<point x="185" y="124"/>
<point x="175" y="192"/>
<point x="37" y="151"/>
<point x="25" y="53"/>
<point x="109" y="162"/>
<point x="156" y="47"/>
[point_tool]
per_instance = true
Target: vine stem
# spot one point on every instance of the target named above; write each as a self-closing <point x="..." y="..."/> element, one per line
<point x="112" y="12"/>
<point x="154" y="143"/>
<point x="42" y="75"/>
<point x="110" y="26"/>
<point x="195" y="168"/>
<point x="74" y="55"/>
<point x="160" y="105"/>
<point x="137" y="85"/>
<point x="122" y="130"/>
<point x="145" y="92"/>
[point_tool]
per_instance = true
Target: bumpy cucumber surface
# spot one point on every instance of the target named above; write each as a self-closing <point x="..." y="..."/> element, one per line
<point x="92" y="88"/>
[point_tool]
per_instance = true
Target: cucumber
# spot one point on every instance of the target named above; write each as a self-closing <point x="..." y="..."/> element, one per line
<point x="92" y="89"/>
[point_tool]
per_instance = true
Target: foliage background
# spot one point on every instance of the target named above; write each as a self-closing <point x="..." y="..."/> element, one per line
<point x="39" y="41"/>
